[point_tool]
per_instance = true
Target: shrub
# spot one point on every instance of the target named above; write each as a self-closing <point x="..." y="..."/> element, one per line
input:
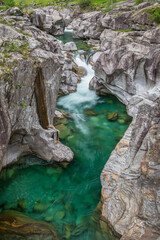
<point x="9" y="3"/>
<point x="84" y="3"/>
<point x="138" y="1"/>
<point x="155" y="14"/>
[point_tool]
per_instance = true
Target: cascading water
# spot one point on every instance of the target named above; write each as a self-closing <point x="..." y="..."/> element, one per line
<point x="67" y="197"/>
<point x="83" y="98"/>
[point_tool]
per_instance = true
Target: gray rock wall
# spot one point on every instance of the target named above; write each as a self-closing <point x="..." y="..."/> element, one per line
<point x="30" y="73"/>
<point x="128" y="67"/>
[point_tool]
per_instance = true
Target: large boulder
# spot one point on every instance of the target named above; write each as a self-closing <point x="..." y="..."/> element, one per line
<point x="30" y="72"/>
<point x="126" y="16"/>
<point x="126" y="67"/>
<point x="87" y="25"/>
<point x="49" y="19"/>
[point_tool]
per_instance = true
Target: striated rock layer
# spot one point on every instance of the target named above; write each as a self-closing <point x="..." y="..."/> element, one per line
<point x="30" y="72"/>
<point x="128" y="66"/>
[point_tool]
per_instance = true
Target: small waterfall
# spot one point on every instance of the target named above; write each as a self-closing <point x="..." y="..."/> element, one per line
<point x="75" y="103"/>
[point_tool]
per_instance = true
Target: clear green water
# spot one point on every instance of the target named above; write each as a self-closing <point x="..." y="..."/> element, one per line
<point x="67" y="196"/>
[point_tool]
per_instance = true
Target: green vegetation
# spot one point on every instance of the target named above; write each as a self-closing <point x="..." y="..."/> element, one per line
<point x="106" y="5"/>
<point x="155" y="14"/>
<point x="9" y="3"/>
<point x="84" y="3"/>
<point x="138" y="1"/>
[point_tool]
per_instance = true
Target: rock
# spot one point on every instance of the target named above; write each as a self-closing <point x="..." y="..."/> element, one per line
<point x="125" y="18"/>
<point x="67" y="231"/>
<point x="29" y="80"/>
<point x="41" y="207"/>
<point x="49" y="218"/>
<point x="60" y="214"/>
<point x="22" y="204"/>
<point x="61" y="117"/>
<point x="64" y="131"/>
<point x="87" y="25"/>
<point x="5" y="130"/>
<point x="14" y="225"/>
<point x="121" y="121"/>
<point x="13" y="11"/>
<point x="69" y="79"/>
<point x="90" y="112"/>
<point x="95" y="57"/>
<point x="80" y="71"/>
<point x="49" y="19"/>
<point x="114" y="73"/>
<point x="128" y="67"/>
<point x="112" y="116"/>
<point x="70" y="46"/>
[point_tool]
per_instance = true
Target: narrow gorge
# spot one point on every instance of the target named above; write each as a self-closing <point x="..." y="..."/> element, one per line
<point x="80" y="130"/>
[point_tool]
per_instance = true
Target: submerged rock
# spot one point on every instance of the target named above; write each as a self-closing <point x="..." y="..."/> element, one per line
<point x="112" y="116"/>
<point x="64" y="131"/>
<point x="41" y="207"/>
<point x="90" y="112"/>
<point x="22" y="204"/>
<point x="15" y="225"/>
<point x="60" y="214"/>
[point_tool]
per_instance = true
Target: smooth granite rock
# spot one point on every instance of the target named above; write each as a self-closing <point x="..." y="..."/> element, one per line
<point x="29" y="87"/>
<point x="87" y="25"/>
<point x="129" y="68"/>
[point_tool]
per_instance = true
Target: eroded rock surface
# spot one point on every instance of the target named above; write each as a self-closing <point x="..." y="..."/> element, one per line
<point x="87" y="25"/>
<point x="128" y="66"/>
<point x="49" y="19"/>
<point x="128" y="16"/>
<point x="30" y="70"/>
<point x="15" y="225"/>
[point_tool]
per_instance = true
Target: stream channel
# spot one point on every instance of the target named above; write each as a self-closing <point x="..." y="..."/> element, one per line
<point x="67" y="196"/>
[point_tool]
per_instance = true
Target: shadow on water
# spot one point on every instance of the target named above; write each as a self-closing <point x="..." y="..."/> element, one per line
<point x="67" y="197"/>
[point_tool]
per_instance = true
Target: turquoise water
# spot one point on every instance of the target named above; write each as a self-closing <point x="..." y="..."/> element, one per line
<point x="67" y="196"/>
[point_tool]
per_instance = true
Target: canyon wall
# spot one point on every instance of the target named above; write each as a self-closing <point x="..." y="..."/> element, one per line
<point x="31" y="67"/>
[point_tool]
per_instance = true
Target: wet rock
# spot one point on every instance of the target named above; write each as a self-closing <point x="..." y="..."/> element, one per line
<point x="90" y="112"/>
<point x="14" y="225"/>
<point x="49" y="218"/>
<point x="121" y="121"/>
<point x="69" y="79"/>
<point x="41" y="207"/>
<point x="22" y="204"/>
<point x="64" y="131"/>
<point x="80" y="71"/>
<point x="61" y="117"/>
<point x="67" y="231"/>
<point x="60" y="214"/>
<point x="112" y="116"/>
<point x="70" y="46"/>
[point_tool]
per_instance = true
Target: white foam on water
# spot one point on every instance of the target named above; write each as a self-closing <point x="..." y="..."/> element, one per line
<point x="83" y="98"/>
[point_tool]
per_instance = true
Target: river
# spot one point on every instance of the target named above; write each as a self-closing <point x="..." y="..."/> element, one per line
<point x="67" y="197"/>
